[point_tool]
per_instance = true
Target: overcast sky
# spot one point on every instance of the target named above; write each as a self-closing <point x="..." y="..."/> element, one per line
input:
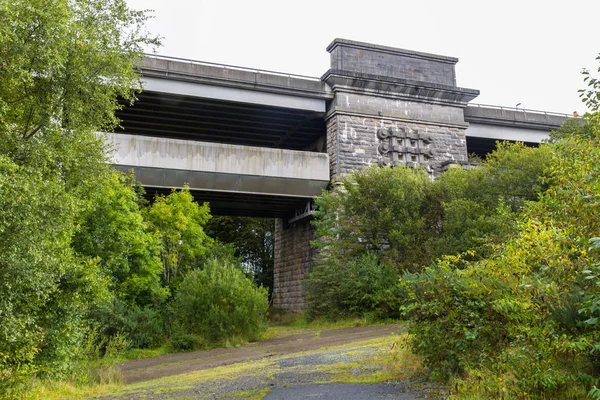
<point x="529" y="51"/>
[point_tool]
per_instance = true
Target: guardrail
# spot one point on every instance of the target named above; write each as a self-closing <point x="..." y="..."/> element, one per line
<point x="520" y="109"/>
<point x="232" y="67"/>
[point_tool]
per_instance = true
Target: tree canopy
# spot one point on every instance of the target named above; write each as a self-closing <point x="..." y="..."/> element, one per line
<point x="65" y="67"/>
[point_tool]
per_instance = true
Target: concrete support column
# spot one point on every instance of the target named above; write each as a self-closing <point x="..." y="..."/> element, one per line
<point x="292" y="259"/>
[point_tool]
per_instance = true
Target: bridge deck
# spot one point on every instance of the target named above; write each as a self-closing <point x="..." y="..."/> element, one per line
<point x="275" y="177"/>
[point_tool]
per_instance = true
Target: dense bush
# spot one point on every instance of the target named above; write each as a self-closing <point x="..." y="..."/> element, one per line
<point x="186" y="342"/>
<point x="115" y="232"/>
<point x="219" y="302"/>
<point x="382" y="222"/>
<point x="532" y="303"/>
<point x="45" y="287"/>
<point x="375" y="210"/>
<point x="453" y="317"/>
<point x="474" y="209"/>
<point x="142" y="327"/>
<point x="54" y="98"/>
<point x="361" y="286"/>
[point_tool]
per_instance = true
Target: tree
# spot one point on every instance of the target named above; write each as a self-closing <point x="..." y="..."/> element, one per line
<point x="179" y="222"/>
<point x="254" y="240"/>
<point x="115" y="232"/>
<point x="45" y="287"/>
<point x="65" y="67"/>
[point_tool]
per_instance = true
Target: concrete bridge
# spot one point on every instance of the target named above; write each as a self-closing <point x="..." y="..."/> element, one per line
<point x="262" y="143"/>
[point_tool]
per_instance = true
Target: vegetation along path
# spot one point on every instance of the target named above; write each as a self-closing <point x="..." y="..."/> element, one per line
<point x="352" y="363"/>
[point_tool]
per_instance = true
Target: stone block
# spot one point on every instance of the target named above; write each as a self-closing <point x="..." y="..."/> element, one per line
<point x="365" y="58"/>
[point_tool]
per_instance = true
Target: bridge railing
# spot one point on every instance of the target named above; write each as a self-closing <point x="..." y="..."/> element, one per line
<point x="513" y="109"/>
<point x="232" y="67"/>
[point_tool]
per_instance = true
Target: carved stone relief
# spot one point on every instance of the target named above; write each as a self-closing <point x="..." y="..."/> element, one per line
<point x="403" y="146"/>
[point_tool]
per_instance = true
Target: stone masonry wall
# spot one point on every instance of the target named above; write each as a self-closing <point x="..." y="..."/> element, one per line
<point x="332" y="143"/>
<point x="370" y="105"/>
<point x="292" y="258"/>
<point x="358" y="142"/>
<point x="385" y="61"/>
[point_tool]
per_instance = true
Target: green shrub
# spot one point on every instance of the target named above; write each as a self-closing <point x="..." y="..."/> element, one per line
<point x="522" y="322"/>
<point x="45" y="288"/>
<point x="142" y="326"/>
<point x="453" y="318"/>
<point x="186" y="342"/>
<point x="220" y="303"/>
<point x="406" y="221"/>
<point x="356" y="287"/>
<point x="374" y="210"/>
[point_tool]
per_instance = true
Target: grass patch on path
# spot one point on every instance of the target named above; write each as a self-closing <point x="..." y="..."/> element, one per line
<point x="185" y="385"/>
<point x="368" y="361"/>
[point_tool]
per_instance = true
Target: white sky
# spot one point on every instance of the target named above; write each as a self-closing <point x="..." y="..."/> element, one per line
<point x="528" y="51"/>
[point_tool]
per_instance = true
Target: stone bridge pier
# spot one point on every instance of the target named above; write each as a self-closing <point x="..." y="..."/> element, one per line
<point x="389" y="107"/>
<point x="293" y="256"/>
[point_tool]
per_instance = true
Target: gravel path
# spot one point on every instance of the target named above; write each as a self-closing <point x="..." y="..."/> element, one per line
<point x="175" y="364"/>
<point x="346" y="391"/>
<point x="298" y="367"/>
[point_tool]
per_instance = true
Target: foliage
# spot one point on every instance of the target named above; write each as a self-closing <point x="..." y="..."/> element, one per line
<point x="45" y="287"/>
<point x="143" y="327"/>
<point x="220" y="303"/>
<point x="591" y="95"/>
<point x="453" y="321"/>
<point x="474" y="209"/>
<point x="114" y="231"/>
<point x="254" y="240"/>
<point x="64" y="65"/>
<point x="533" y="304"/>
<point x="178" y="221"/>
<point x="361" y="286"/>
<point x="375" y="210"/>
<point x="405" y="221"/>
<point x="186" y="342"/>
<point x="571" y="128"/>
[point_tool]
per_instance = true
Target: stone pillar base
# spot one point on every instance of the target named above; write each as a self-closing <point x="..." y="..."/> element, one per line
<point x="292" y="258"/>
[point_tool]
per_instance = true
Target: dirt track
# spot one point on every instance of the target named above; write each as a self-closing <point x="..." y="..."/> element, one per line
<point x="175" y="364"/>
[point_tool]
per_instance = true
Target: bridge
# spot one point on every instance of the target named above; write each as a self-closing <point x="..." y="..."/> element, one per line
<point x="263" y="143"/>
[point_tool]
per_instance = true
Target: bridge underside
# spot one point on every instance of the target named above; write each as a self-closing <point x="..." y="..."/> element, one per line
<point x="242" y="204"/>
<point x="481" y="147"/>
<point x="219" y="121"/>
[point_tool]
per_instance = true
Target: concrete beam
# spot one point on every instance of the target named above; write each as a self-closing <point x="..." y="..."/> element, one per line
<point x="512" y="133"/>
<point x="514" y="117"/>
<point x="228" y="75"/>
<point x="233" y="94"/>
<point x="171" y="163"/>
